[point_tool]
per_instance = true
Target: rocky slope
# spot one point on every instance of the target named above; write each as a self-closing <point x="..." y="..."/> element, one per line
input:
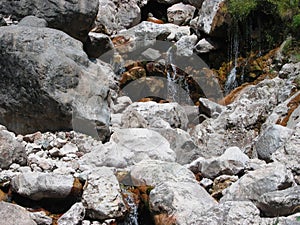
<point x="110" y="116"/>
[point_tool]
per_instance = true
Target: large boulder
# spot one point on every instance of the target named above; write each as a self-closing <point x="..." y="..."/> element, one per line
<point x="147" y="33"/>
<point x="251" y="186"/>
<point x="48" y="83"/>
<point x="154" y="172"/>
<point x="127" y="147"/>
<point x="232" y="162"/>
<point x="74" y="17"/>
<point x="180" y="13"/>
<point x="181" y="143"/>
<point x="11" y="151"/>
<point x="152" y="112"/>
<point x="231" y="212"/>
<point x="12" y="214"/>
<point x="271" y="140"/>
<point x="280" y="203"/>
<point x="183" y="201"/>
<point x="101" y="196"/>
<point x="37" y="185"/>
<point x="116" y="15"/>
<point x="289" y="153"/>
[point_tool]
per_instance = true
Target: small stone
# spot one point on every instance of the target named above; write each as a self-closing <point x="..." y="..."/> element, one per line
<point x="68" y="148"/>
<point x="204" y="46"/>
<point x="206" y="183"/>
<point x="14" y="167"/>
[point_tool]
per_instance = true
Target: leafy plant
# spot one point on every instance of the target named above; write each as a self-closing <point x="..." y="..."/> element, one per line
<point x="296" y="21"/>
<point x="286" y="9"/>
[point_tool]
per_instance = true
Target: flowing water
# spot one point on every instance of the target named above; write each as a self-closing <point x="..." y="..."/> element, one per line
<point x="177" y="87"/>
<point x="231" y="81"/>
<point x="132" y="218"/>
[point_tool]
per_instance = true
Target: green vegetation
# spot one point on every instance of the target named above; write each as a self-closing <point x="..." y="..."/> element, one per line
<point x="296" y="21"/>
<point x="286" y="9"/>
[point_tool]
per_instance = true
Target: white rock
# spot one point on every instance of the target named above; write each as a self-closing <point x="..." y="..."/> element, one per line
<point x="185" y="45"/>
<point x="204" y="46"/>
<point x="73" y="216"/>
<point x="154" y="172"/>
<point x="101" y="196"/>
<point x="67" y="149"/>
<point x="37" y="185"/>
<point x="41" y="218"/>
<point x="127" y="147"/>
<point x="180" y="13"/>
<point x="207" y="15"/>
<point x="252" y="185"/>
<point x="271" y="139"/>
<point x="12" y="214"/>
<point x="181" y="200"/>
<point x="172" y="113"/>
<point x="232" y="162"/>
<point x="231" y="212"/>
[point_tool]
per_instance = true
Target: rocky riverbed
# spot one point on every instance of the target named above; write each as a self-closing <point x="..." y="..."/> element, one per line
<point x="110" y="115"/>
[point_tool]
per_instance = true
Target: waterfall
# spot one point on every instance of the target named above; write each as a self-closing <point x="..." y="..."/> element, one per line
<point x="177" y="85"/>
<point x="231" y="81"/>
<point x="132" y="218"/>
<point x="171" y="76"/>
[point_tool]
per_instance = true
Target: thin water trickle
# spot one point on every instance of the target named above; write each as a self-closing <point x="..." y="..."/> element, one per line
<point x="231" y="81"/>
<point x="171" y="76"/>
<point x="132" y="218"/>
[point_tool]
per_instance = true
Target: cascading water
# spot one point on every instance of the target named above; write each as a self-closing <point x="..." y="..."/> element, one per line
<point x="231" y="81"/>
<point x="132" y="218"/>
<point x="171" y="76"/>
<point x="177" y="86"/>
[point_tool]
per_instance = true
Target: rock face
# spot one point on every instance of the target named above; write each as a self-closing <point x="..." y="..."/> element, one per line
<point x="251" y="186"/>
<point x="127" y="147"/>
<point x="51" y="83"/>
<point x="181" y="200"/>
<point x="13" y="214"/>
<point x="114" y="16"/>
<point x="280" y="203"/>
<point x="36" y="185"/>
<point x="11" y="151"/>
<point x="73" y="17"/>
<point x="102" y="197"/>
